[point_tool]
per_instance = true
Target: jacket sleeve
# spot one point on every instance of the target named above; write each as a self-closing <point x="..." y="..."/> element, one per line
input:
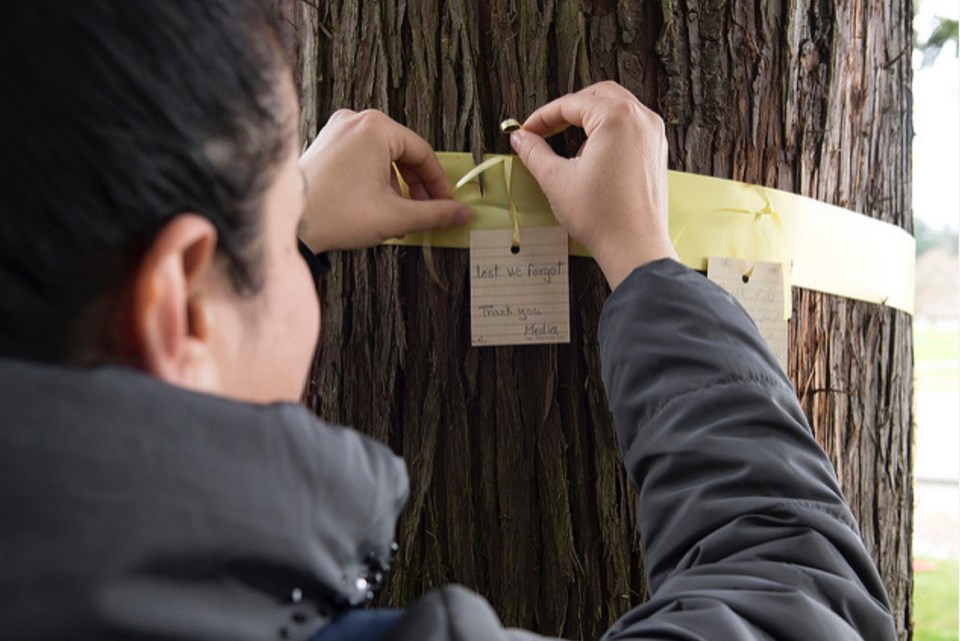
<point x="746" y="533"/>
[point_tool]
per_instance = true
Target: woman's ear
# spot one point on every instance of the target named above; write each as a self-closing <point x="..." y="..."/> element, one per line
<point x="172" y="303"/>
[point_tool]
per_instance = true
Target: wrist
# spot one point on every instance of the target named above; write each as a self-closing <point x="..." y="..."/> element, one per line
<point x="616" y="265"/>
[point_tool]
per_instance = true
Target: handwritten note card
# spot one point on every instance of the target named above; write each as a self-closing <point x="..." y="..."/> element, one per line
<point x="761" y="292"/>
<point x="519" y="295"/>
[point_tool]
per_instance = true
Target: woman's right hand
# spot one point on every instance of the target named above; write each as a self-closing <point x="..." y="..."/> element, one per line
<point x="353" y="196"/>
<point x="612" y="197"/>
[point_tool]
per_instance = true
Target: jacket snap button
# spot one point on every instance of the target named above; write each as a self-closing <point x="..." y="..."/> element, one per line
<point x="296" y="596"/>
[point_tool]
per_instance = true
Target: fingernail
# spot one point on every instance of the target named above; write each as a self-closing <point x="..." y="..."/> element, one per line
<point x="516" y="138"/>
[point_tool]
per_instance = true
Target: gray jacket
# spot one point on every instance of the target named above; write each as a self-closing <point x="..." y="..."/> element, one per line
<point x="133" y="510"/>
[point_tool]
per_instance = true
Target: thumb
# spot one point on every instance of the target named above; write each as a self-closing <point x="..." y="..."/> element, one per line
<point x="407" y="216"/>
<point x="537" y="156"/>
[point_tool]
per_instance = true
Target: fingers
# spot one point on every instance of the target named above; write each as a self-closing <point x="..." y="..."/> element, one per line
<point x="413" y="156"/>
<point x="359" y="165"/>
<point x="407" y="216"/>
<point x="577" y="110"/>
<point x="418" y="188"/>
<point x="416" y="161"/>
<point x="340" y="114"/>
<point x="537" y="156"/>
<point x="585" y="108"/>
<point x="557" y="115"/>
<point x="609" y="89"/>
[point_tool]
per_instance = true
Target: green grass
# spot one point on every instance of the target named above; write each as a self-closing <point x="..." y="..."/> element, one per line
<point x="936" y="345"/>
<point x="937" y="354"/>
<point x="937" y="379"/>
<point x="935" y="603"/>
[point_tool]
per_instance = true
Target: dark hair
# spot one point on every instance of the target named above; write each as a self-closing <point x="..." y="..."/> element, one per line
<point x="115" y="116"/>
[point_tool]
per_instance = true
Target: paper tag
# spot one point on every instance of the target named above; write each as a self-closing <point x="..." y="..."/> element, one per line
<point x="761" y="292"/>
<point x="519" y="298"/>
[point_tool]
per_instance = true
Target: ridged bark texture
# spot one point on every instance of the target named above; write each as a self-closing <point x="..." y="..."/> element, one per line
<point x="517" y="488"/>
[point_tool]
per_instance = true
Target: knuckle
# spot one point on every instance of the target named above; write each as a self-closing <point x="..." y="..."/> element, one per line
<point x="658" y="123"/>
<point x="340" y="114"/>
<point x="616" y="90"/>
<point x="370" y="119"/>
<point x="656" y="127"/>
<point x="625" y="112"/>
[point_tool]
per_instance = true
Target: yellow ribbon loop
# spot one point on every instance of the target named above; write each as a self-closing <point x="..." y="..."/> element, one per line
<point x="507" y="162"/>
<point x="428" y="259"/>
<point x="479" y="169"/>
<point x="476" y="173"/>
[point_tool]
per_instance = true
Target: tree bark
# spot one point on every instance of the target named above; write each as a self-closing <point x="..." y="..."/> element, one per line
<point x="517" y="488"/>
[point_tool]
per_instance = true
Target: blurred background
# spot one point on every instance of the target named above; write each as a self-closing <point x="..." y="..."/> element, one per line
<point x="936" y="203"/>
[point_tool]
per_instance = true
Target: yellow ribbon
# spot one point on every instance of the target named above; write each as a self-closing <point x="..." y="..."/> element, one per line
<point x="826" y="248"/>
<point x="507" y="162"/>
<point x="506" y="127"/>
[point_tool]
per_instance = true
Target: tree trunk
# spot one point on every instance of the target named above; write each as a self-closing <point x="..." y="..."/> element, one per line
<point x="517" y="488"/>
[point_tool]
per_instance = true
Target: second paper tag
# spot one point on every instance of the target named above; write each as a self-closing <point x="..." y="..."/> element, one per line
<point x="761" y="292"/>
<point x="519" y="295"/>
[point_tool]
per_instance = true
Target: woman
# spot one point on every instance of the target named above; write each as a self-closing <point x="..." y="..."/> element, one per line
<point x="157" y="320"/>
